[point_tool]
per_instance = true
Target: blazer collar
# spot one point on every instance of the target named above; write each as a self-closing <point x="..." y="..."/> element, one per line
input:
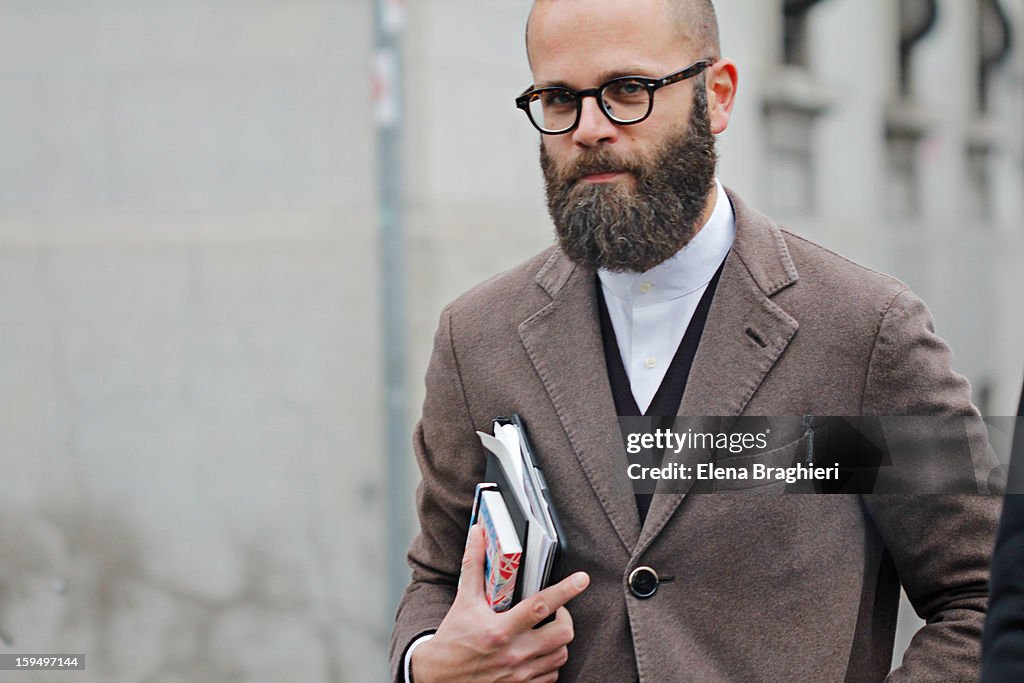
<point x="761" y="248"/>
<point x="556" y="271"/>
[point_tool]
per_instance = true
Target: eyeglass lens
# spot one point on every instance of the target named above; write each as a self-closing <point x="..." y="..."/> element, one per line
<point x="625" y="101"/>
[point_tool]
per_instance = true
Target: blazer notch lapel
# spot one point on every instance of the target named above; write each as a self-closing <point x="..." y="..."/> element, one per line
<point x="563" y="341"/>
<point x="745" y="335"/>
<point x="730" y="365"/>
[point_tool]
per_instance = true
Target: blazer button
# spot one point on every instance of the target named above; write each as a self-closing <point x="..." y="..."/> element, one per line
<point x="643" y="582"/>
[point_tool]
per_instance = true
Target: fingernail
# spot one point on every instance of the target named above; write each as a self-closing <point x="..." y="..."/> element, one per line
<point x="580" y="580"/>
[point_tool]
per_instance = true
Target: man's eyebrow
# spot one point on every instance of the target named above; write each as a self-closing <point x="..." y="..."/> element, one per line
<point x="603" y="77"/>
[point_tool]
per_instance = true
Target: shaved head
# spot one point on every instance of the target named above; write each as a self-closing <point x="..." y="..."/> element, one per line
<point x="695" y="20"/>
<point x="698" y="24"/>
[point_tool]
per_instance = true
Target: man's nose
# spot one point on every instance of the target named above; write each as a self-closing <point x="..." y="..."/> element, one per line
<point x="594" y="126"/>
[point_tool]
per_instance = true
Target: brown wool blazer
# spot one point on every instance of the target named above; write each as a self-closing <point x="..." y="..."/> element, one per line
<point x="766" y="588"/>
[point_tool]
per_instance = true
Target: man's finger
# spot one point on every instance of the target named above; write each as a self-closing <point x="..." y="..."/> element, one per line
<point x="550" y="663"/>
<point x="551" y="636"/>
<point x="471" y="580"/>
<point x="539" y="607"/>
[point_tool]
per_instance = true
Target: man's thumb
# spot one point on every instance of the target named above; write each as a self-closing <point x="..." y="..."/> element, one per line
<point x="471" y="580"/>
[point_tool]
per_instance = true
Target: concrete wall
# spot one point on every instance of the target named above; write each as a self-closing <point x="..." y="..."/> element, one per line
<point x="191" y="481"/>
<point x="190" y="355"/>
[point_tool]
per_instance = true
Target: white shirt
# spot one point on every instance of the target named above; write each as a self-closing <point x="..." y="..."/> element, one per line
<point x="408" y="654"/>
<point x="651" y="311"/>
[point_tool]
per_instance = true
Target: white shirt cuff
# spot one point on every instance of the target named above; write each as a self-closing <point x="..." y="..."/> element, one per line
<point x="408" y="655"/>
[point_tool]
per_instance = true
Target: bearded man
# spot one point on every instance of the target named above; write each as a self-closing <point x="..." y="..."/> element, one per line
<point x="666" y="295"/>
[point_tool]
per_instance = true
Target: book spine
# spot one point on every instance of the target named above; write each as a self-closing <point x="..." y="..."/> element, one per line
<point x="500" y="567"/>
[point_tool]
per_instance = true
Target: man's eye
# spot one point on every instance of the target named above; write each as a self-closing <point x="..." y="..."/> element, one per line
<point x="626" y="89"/>
<point x="559" y="98"/>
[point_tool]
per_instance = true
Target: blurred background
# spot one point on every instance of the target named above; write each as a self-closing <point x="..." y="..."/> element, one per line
<point x="227" y="228"/>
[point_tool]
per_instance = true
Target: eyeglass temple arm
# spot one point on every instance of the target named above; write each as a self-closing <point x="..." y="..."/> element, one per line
<point x="688" y="72"/>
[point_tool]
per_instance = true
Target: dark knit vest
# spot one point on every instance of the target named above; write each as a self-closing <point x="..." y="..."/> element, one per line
<point x="669" y="396"/>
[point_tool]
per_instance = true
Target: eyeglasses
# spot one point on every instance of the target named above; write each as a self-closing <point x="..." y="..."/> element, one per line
<point x="625" y="100"/>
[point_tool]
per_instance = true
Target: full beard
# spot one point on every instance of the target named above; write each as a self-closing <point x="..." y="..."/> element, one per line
<point x="619" y="227"/>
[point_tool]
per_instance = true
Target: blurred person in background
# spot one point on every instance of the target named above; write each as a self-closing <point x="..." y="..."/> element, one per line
<point x="667" y="295"/>
<point x="1004" y="626"/>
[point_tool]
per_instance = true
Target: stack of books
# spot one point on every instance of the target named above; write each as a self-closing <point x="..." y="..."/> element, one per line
<point x="524" y="540"/>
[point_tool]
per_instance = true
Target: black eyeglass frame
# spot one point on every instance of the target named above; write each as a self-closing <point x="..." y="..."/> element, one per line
<point x="652" y="84"/>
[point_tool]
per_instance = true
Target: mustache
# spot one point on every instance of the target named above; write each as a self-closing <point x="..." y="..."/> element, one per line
<point x="600" y="161"/>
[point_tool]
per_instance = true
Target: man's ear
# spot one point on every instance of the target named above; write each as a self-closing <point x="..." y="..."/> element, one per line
<point x="722" y="81"/>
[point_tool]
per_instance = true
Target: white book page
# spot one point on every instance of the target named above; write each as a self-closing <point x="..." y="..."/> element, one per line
<point x="535" y="561"/>
<point x="512" y="464"/>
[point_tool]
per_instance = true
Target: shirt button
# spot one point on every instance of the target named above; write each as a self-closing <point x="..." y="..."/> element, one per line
<point x="646" y="287"/>
<point x="651" y="361"/>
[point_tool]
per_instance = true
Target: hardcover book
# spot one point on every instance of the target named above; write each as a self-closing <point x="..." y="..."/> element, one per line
<point x="503" y="550"/>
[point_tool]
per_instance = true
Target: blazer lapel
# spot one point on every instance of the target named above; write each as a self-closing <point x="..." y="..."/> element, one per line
<point x="745" y="334"/>
<point x="563" y="341"/>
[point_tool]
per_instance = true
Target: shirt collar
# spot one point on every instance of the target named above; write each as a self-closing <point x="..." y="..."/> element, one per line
<point x="688" y="270"/>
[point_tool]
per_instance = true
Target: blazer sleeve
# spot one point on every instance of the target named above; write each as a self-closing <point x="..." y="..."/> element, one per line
<point x="450" y="459"/>
<point x="940" y="544"/>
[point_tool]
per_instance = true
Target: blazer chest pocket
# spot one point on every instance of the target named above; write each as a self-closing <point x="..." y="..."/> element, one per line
<point x="762" y="473"/>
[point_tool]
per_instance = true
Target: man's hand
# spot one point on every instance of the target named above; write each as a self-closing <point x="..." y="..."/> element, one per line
<point x="474" y="643"/>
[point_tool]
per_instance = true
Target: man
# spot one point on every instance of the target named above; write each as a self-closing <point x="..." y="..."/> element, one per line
<point x="666" y="296"/>
<point x="1004" y="626"/>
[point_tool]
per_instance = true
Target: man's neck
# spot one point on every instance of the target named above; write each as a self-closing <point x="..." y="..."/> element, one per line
<point x="709" y="207"/>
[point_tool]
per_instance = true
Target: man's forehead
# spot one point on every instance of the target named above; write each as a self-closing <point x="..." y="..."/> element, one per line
<point x="591" y="37"/>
